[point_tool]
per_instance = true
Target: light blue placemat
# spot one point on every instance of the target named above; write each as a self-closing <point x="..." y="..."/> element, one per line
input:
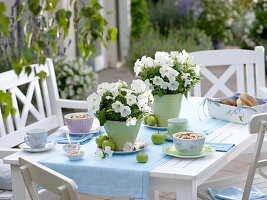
<point x="121" y="175"/>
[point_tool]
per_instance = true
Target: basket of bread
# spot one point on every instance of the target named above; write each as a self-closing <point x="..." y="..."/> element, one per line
<point x="238" y="108"/>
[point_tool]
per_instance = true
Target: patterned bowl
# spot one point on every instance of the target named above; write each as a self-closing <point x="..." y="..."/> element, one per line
<point x="78" y="125"/>
<point x="75" y="155"/>
<point x="71" y="147"/>
<point x="188" y="147"/>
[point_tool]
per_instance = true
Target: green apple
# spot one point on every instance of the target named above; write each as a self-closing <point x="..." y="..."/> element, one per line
<point x="108" y="143"/>
<point x="146" y="117"/>
<point x="100" y="139"/>
<point x="142" y="157"/>
<point x="151" y="120"/>
<point x="158" y="138"/>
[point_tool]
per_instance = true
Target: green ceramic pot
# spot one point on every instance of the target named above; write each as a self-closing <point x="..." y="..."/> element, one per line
<point x="166" y="107"/>
<point x="119" y="133"/>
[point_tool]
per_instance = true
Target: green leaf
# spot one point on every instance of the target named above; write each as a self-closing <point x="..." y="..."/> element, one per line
<point x="34" y="7"/>
<point x="17" y="66"/>
<point x="4" y="25"/>
<point x="28" y="70"/>
<point x="28" y="54"/>
<point x="42" y="75"/>
<point x="51" y="5"/>
<point x="2" y="7"/>
<point x="112" y="34"/>
<point x="40" y="44"/>
<point x="63" y="19"/>
<point x="20" y="12"/>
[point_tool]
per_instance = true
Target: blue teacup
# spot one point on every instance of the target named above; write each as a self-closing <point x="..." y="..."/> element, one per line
<point x="36" y="138"/>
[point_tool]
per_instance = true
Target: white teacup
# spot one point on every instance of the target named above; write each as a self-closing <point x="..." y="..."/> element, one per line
<point x="36" y="138"/>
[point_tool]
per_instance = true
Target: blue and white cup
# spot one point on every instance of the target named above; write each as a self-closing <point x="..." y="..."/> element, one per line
<point x="36" y="138"/>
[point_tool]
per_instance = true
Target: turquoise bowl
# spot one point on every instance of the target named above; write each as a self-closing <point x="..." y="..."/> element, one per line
<point x="189" y="147"/>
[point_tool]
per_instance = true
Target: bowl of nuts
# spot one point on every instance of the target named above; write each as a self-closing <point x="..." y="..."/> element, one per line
<point x="71" y="147"/>
<point x="189" y="143"/>
<point x="74" y="155"/>
<point x="79" y="122"/>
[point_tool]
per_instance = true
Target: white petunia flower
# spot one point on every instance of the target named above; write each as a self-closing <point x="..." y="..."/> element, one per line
<point x="157" y="80"/>
<point x="108" y="151"/>
<point x="117" y="106"/>
<point x="99" y="154"/>
<point x="131" y="99"/>
<point x="131" y="121"/>
<point x="94" y="99"/>
<point x="173" y="85"/>
<point x="93" y="109"/>
<point x="172" y="75"/>
<point x="163" y="59"/>
<point x="147" y="61"/>
<point x="187" y="82"/>
<point x="128" y="146"/>
<point x="184" y="57"/>
<point x="138" y="67"/>
<point x="146" y="109"/>
<point x="138" y="86"/>
<point x="164" y="71"/>
<point x="164" y="85"/>
<point x="125" y="111"/>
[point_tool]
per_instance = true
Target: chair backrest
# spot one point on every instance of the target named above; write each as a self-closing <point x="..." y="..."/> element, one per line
<point x="35" y="101"/>
<point x="257" y="125"/>
<point x="245" y="68"/>
<point x="35" y="174"/>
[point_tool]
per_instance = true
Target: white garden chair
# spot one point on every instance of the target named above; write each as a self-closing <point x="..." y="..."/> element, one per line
<point x="41" y="100"/>
<point x="257" y="125"/>
<point x="38" y="175"/>
<point x="246" y="65"/>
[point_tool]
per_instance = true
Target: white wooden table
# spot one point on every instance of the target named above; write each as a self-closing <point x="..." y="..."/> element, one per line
<point x="182" y="176"/>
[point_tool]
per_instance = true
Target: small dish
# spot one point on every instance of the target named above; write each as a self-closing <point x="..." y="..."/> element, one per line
<point x="79" y="122"/>
<point x="139" y="145"/>
<point x="171" y="150"/>
<point x="49" y="145"/>
<point x="71" y="147"/>
<point x="75" y="155"/>
<point x="156" y="127"/>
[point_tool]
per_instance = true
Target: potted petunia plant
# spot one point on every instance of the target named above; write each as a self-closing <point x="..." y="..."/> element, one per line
<point x="169" y="76"/>
<point x="120" y="108"/>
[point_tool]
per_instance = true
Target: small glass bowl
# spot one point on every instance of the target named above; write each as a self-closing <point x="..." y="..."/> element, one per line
<point x="75" y="155"/>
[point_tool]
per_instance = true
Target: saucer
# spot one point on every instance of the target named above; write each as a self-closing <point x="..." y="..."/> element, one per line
<point x="156" y="127"/>
<point x="171" y="150"/>
<point x="49" y="145"/>
<point x="139" y="144"/>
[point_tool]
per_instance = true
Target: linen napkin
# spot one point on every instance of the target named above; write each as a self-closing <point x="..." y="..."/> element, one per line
<point x="221" y="147"/>
<point x="234" y="193"/>
<point x="75" y="139"/>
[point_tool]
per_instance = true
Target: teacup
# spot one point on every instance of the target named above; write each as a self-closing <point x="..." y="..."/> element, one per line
<point x="36" y="138"/>
<point x="177" y="124"/>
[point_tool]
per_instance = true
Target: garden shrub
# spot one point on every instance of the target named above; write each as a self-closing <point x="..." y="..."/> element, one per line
<point x="75" y="79"/>
<point x="140" y="18"/>
<point x="177" y="40"/>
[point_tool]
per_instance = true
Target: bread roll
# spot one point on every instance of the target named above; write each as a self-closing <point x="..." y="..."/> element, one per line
<point x="246" y="100"/>
<point x="228" y="101"/>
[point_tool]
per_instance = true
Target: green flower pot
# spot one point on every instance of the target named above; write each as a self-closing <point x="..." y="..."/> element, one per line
<point x="166" y="107"/>
<point x="119" y="133"/>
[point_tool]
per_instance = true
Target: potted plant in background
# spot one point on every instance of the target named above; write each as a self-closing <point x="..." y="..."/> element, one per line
<point x="75" y="78"/>
<point x="120" y="108"/>
<point x="169" y="76"/>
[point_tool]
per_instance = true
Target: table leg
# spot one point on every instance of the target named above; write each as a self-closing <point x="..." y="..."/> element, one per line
<point x="186" y="190"/>
<point x="18" y="188"/>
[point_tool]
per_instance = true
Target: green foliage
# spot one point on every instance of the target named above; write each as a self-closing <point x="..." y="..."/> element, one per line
<point x="140" y="18"/>
<point x="42" y="27"/>
<point x="177" y="40"/>
<point x="218" y="18"/>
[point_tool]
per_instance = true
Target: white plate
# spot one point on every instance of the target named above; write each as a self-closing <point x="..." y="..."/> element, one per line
<point x="156" y="127"/>
<point x="96" y="128"/>
<point x="137" y="142"/>
<point x="49" y="145"/>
